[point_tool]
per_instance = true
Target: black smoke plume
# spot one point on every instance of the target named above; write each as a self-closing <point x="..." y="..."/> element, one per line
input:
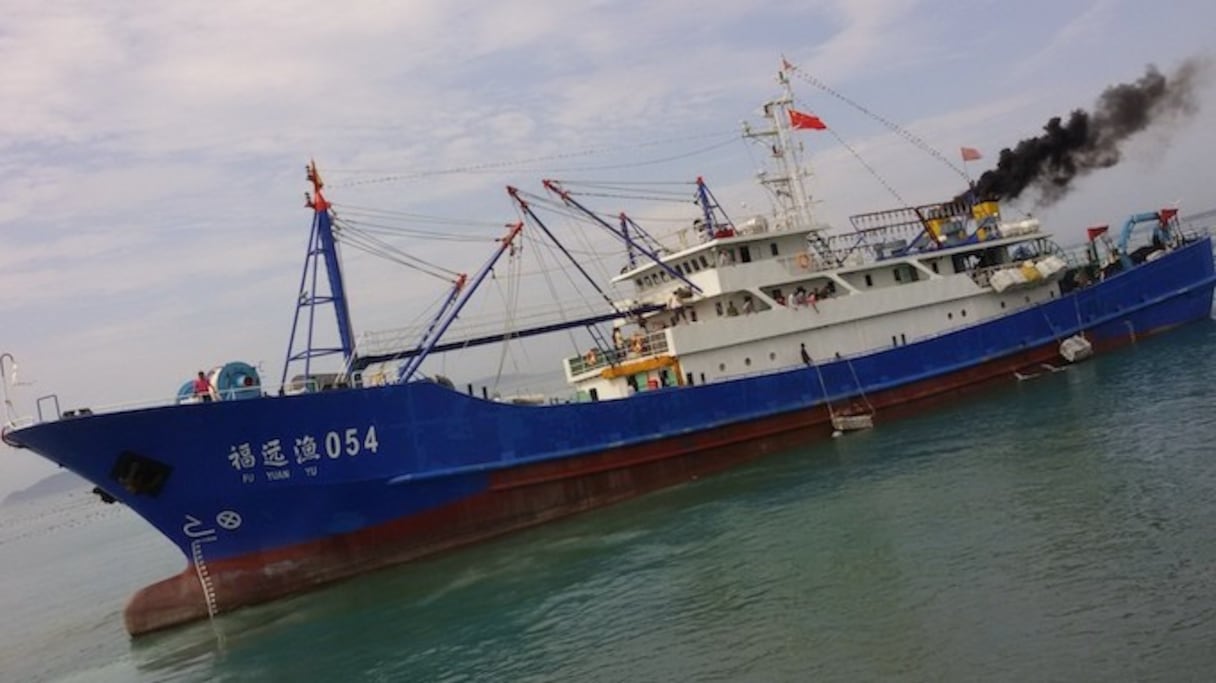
<point x="1089" y="141"/>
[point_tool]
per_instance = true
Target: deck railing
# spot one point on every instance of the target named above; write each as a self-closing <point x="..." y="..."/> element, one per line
<point x="632" y="348"/>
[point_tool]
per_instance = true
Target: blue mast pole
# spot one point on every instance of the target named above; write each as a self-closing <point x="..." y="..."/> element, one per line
<point x="445" y="322"/>
<point x="633" y="261"/>
<point x="408" y="368"/>
<point x="706" y="208"/>
<point x="553" y="187"/>
<point x="325" y="238"/>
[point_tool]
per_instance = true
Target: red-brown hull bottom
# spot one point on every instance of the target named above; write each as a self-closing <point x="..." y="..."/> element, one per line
<point x="531" y="495"/>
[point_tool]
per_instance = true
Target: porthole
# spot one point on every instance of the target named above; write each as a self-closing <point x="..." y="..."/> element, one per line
<point x="772" y="356"/>
<point x="721" y="367"/>
<point x="950" y="316"/>
<point x="964" y="313"/>
<point x="747" y="361"/>
<point x="1002" y="304"/>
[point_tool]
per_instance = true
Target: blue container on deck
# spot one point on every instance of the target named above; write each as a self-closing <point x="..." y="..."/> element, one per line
<point x="236" y="381"/>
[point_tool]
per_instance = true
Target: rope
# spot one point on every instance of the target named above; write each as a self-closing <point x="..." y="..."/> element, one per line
<point x="380" y="228"/>
<point x="908" y="136"/>
<point x="869" y="406"/>
<point x="497" y="165"/>
<point x="882" y="181"/>
<point x="652" y="198"/>
<point x="826" y="400"/>
<point x="375" y="246"/>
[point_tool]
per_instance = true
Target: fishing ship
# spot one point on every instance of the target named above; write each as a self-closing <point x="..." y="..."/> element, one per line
<point x="747" y="339"/>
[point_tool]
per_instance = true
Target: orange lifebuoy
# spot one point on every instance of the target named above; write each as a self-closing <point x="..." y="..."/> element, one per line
<point x="590" y="358"/>
<point x="804" y="261"/>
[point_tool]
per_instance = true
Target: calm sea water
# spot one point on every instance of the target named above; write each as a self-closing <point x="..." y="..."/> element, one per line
<point x="1055" y="529"/>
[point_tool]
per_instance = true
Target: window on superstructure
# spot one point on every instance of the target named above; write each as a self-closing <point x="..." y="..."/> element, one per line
<point x="933" y="265"/>
<point x="704" y="263"/>
<point x="745" y="254"/>
<point x="773" y="248"/>
<point x="696" y="267"/>
<point x="869" y="280"/>
<point x="898" y="276"/>
<point x="718" y="308"/>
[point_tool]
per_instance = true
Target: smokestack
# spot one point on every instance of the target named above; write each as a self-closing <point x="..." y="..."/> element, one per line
<point x="1049" y="163"/>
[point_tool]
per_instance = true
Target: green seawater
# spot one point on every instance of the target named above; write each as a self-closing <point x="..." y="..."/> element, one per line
<point x="1060" y="528"/>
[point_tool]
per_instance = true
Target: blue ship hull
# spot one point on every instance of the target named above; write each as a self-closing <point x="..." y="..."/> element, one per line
<point x="275" y="495"/>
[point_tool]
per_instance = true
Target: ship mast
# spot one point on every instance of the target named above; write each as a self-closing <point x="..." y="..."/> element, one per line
<point x="322" y="255"/>
<point x="786" y="182"/>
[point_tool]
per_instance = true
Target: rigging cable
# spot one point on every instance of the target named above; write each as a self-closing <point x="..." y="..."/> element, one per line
<point x="882" y="181"/>
<point x="497" y="165"/>
<point x="377" y="247"/>
<point x="908" y="136"/>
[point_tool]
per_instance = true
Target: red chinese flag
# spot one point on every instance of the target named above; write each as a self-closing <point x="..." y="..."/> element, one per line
<point x="1096" y="232"/>
<point x="801" y="121"/>
<point x="971" y="154"/>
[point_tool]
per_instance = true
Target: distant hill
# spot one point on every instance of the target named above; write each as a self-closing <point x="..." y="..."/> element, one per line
<point x="60" y="482"/>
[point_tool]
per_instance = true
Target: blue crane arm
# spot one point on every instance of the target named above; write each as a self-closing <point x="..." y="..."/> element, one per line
<point x="1134" y="220"/>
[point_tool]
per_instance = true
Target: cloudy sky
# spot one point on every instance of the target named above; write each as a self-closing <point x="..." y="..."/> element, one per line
<point x="151" y="153"/>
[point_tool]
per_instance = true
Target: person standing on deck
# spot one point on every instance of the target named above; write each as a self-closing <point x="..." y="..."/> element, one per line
<point x="806" y="357"/>
<point x="202" y="387"/>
